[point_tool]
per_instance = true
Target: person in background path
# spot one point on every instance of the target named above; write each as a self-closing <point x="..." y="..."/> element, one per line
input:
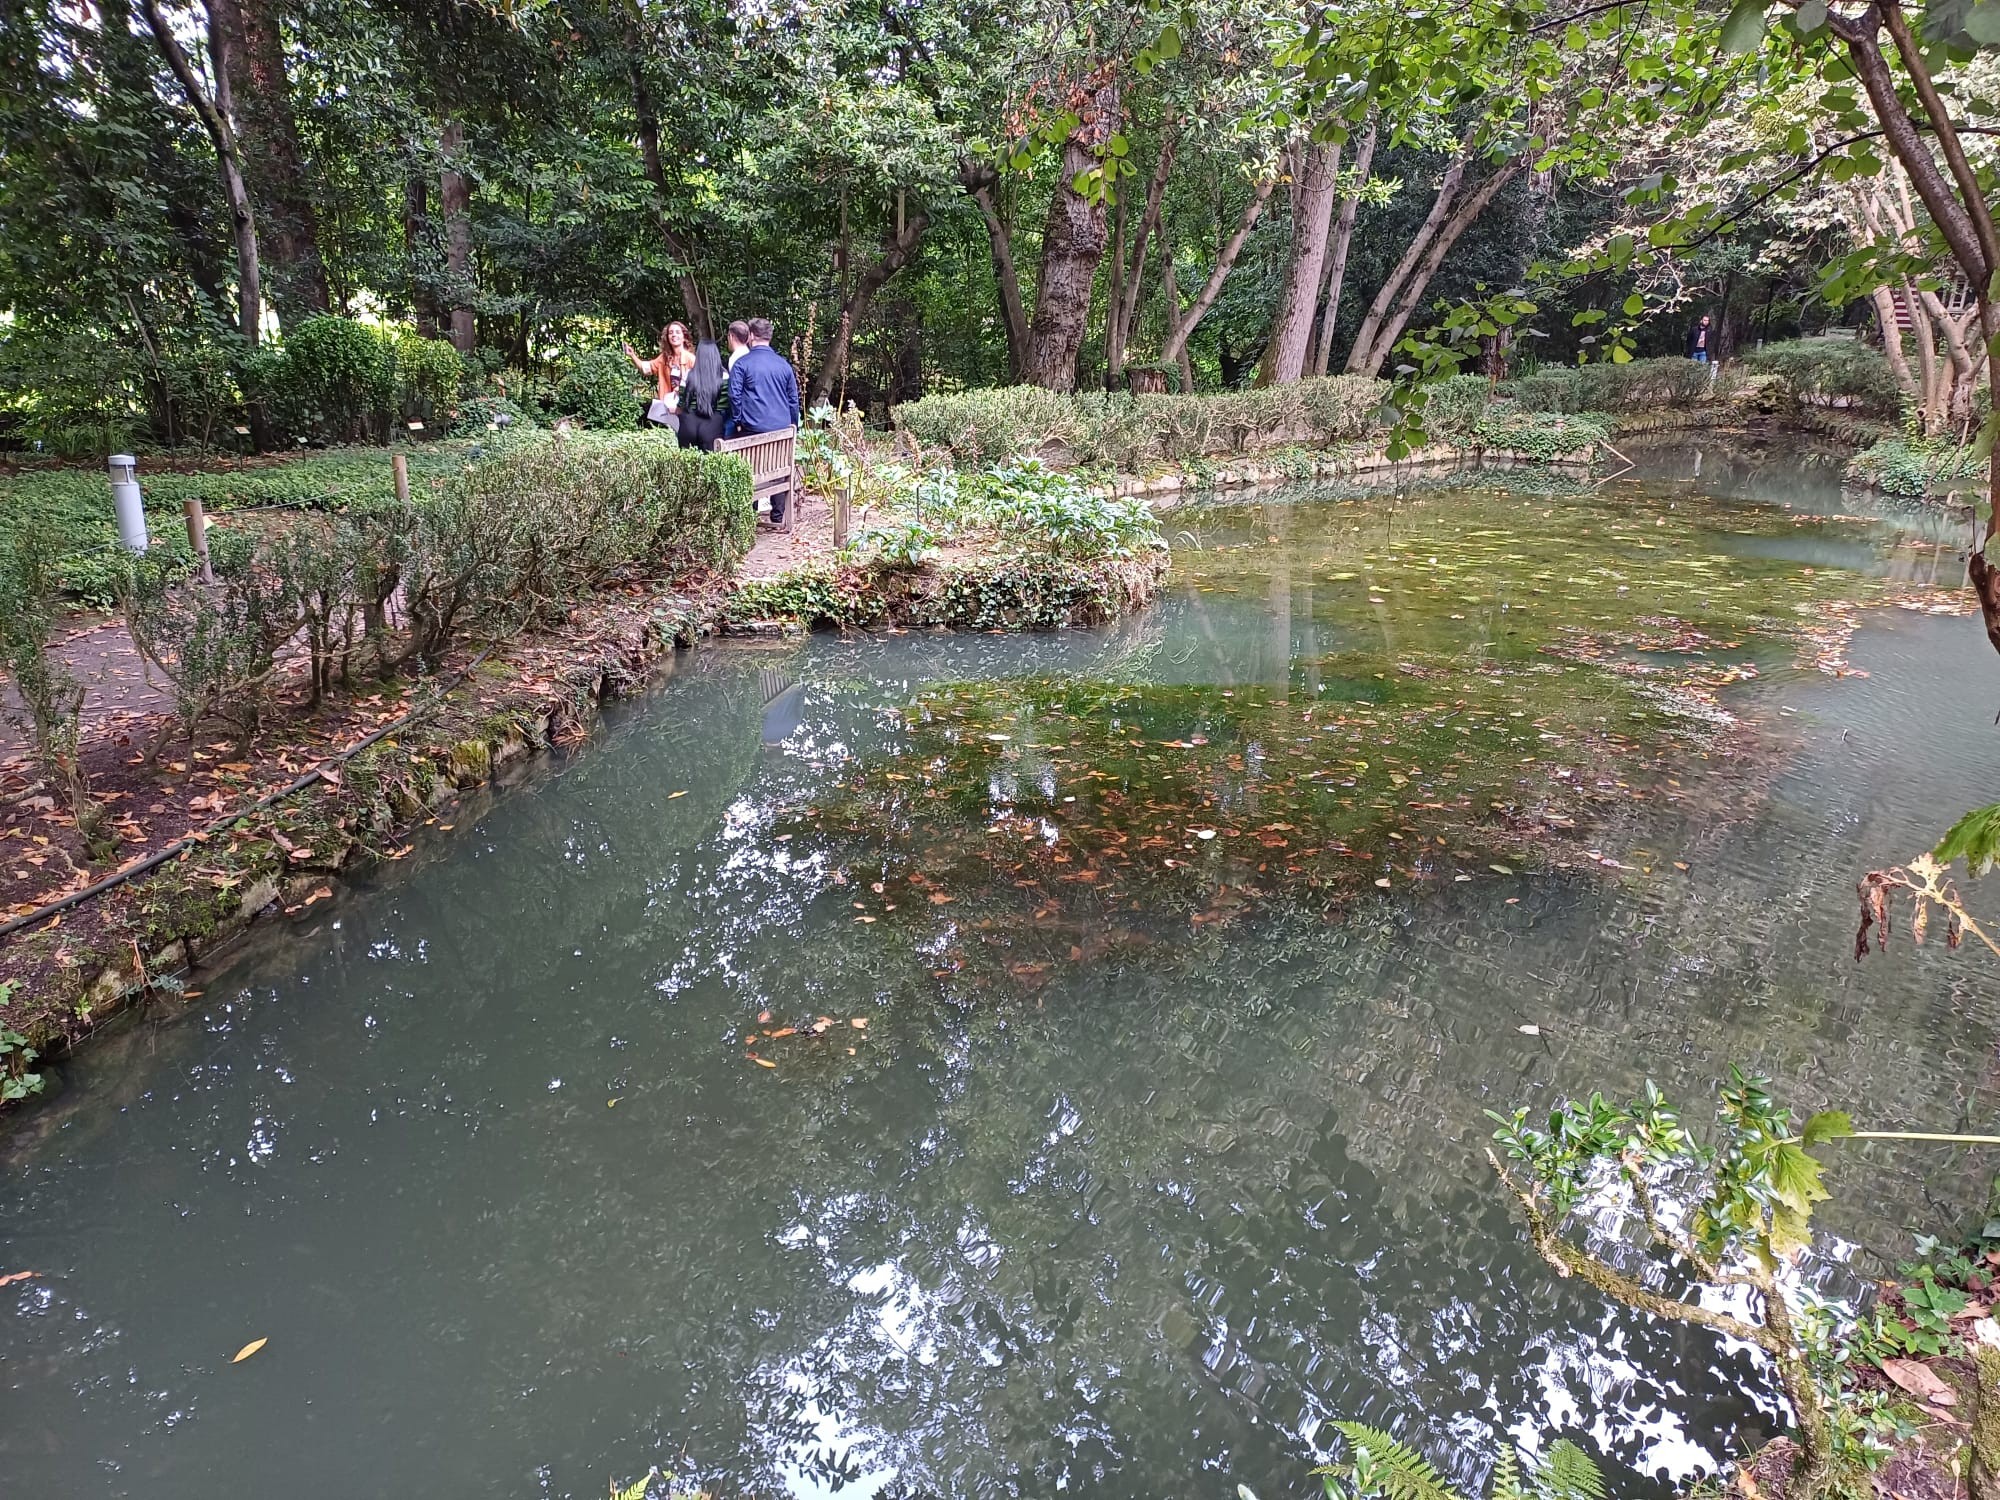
<point x="1698" y="341"/>
<point x="669" y="369"/>
<point x="739" y="340"/>
<point x="763" y="394"/>
<point x="704" y="399"/>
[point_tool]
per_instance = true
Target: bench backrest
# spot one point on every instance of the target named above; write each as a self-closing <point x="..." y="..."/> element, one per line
<point x="772" y="456"/>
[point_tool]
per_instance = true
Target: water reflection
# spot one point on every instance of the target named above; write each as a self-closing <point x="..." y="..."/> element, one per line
<point x="486" y="1156"/>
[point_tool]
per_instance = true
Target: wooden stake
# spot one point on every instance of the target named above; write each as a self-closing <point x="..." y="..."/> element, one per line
<point x="401" y="464"/>
<point x="197" y="524"/>
<point x="843" y="509"/>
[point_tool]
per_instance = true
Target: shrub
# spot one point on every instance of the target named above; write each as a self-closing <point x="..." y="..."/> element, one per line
<point x="1123" y="431"/>
<point x="477" y="415"/>
<point x="1060" y="514"/>
<point x="990" y="426"/>
<point x="599" y="389"/>
<point x="1641" y="385"/>
<point x="1840" y="372"/>
<point x="1543" y="435"/>
<point x="71" y="388"/>
<point x="340" y="377"/>
<point x="1911" y="466"/>
<point x="428" y="373"/>
<point x="1453" y="408"/>
<point x="216" y="644"/>
<point x="51" y="696"/>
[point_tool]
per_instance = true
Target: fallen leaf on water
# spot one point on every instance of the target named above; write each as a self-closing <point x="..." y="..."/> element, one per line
<point x="762" y="1062"/>
<point x="1919" y="1380"/>
<point x="763" y="1016"/>
<point x="672" y="795"/>
<point x="859" y="1023"/>
<point x="1680" y="864"/>
<point x="18" y="1276"/>
<point x="782" y="1031"/>
<point x="1500" y="869"/>
<point x="1531" y="1029"/>
<point x="248" y="1349"/>
<point x="1383" y="882"/>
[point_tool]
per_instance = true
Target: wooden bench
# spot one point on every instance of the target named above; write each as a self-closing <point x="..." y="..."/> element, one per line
<point x="774" y="466"/>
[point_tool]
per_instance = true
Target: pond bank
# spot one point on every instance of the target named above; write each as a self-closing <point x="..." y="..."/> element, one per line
<point x="79" y="957"/>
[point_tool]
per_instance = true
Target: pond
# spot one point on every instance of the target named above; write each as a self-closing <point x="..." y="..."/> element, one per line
<point x="994" y="1066"/>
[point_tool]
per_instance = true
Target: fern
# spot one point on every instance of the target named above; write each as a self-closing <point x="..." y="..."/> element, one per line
<point x="1505" y="1483"/>
<point x="1568" y="1473"/>
<point x="1386" y="1467"/>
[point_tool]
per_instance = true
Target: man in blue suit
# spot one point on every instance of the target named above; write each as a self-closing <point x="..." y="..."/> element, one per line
<point x="763" y="395"/>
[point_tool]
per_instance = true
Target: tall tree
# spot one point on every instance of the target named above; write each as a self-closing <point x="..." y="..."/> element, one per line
<point x="250" y="54"/>
<point x="1073" y="240"/>
<point x="1314" y="178"/>
<point x="1343" y="238"/>
<point x="214" y="114"/>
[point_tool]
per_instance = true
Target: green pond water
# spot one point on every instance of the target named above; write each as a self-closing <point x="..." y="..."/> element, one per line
<point x="1190" y="953"/>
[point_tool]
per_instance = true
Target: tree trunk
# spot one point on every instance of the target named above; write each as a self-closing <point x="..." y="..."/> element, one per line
<point x="1317" y="170"/>
<point x="251" y="56"/>
<point x="1114" y="356"/>
<point x="1361" y="358"/>
<point x="1128" y="280"/>
<point x="215" y="119"/>
<point x="1171" y="293"/>
<point x="897" y="253"/>
<point x="1343" y="237"/>
<point x="455" y="201"/>
<point x="648" y="118"/>
<point x="417" y="253"/>
<point x="979" y="181"/>
<point x="1419" y="280"/>
<point x="1073" y="241"/>
<point x="1177" y="338"/>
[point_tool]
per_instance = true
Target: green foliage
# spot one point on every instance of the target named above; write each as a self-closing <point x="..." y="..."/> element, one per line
<point x="1043" y="508"/>
<point x="477" y="415"/>
<point x="1453" y="408"/>
<point x="51" y="696"/>
<point x="1912" y="466"/>
<point x="1669" y="384"/>
<point x="1386" y="1467"/>
<point x="990" y="426"/>
<point x="1974" y="838"/>
<point x="68" y="389"/>
<point x="1842" y="372"/>
<point x="984" y="427"/>
<point x="17" y="1058"/>
<point x="1542" y="435"/>
<point x="600" y="390"/>
<point x="333" y="378"/>
<point x="427" y="374"/>
<point x="217" y="645"/>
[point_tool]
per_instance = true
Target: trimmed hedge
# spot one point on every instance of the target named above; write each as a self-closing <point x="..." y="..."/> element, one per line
<point x="1641" y="385"/>
<point x="1098" y="428"/>
<point x="1832" y="372"/>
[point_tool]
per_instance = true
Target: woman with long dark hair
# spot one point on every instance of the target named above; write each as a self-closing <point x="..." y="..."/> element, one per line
<point x="675" y="359"/>
<point x="704" y="403"/>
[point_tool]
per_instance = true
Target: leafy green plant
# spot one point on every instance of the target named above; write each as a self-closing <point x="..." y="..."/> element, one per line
<point x="217" y="645"/>
<point x="428" y="373"/>
<point x="1740" y="1210"/>
<point x="17" y="1059"/>
<point x="599" y="389"/>
<point x="337" y="379"/>
<point x="481" y="414"/>
<point x="1382" y="1466"/>
<point x="1912" y="467"/>
<point x="50" y="694"/>
<point x="1546" y="436"/>
<point x="1832" y="372"/>
<point x="1054" y="510"/>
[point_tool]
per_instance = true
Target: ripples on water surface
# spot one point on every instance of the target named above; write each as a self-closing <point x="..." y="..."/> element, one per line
<point x="1139" y="1172"/>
